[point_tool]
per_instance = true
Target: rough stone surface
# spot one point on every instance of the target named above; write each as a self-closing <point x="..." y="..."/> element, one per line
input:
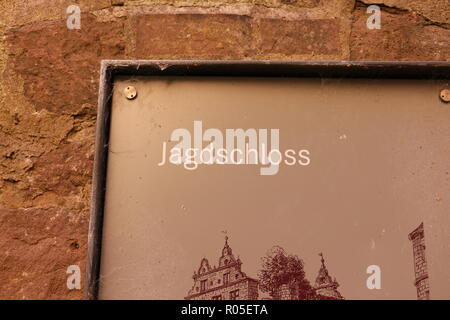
<point x="37" y="247"/>
<point x="59" y="66"/>
<point x="49" y="81"/>
<point x="404" y="35"/>
<point x="436" y="11"/>
<point x="318" y="38"/>
<point x="193" y="35"/>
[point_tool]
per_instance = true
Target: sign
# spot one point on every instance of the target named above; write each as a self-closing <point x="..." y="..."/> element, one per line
<point x="208" y="174"/>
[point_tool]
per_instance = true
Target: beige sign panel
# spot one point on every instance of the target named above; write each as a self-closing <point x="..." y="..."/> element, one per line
<point x="208" y="178"/>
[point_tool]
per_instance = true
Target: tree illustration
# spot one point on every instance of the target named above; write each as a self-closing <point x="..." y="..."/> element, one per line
<point x="280" y="268"/>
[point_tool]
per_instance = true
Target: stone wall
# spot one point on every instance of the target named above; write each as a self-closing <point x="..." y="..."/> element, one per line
<point x="284" y="292"/>
<point x="49" y="81"/>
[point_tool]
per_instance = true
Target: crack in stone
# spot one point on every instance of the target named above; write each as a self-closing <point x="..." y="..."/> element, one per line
<point x="397" y="10"/>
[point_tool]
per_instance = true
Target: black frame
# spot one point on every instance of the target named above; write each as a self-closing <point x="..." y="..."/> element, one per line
<point x="227" y="68"/>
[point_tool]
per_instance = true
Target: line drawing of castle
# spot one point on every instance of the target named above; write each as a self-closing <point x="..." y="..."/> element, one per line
<point x="228" y="282"/>
<point x="325" y="286"/>
<point x="225" y="282"/>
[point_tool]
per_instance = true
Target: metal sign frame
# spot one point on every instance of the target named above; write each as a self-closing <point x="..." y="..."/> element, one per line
<point x="230" y="68"/>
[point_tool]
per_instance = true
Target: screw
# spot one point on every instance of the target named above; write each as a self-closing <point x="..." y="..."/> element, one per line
<point x="130" y="92"/>
<point x="445" y="95"/>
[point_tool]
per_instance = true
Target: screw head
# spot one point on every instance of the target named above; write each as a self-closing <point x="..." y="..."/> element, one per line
<point x="130" y="92"/>
<point x="445" y="95"/>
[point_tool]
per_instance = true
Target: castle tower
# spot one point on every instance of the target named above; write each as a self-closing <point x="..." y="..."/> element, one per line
<point x="227" y="255"/>
<point x="417" y="238"/>
<point x="224" y="282"/>
<point x="325" y="286"/>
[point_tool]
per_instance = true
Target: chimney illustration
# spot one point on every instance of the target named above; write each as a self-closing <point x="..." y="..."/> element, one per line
<point x="421" y="282"/>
